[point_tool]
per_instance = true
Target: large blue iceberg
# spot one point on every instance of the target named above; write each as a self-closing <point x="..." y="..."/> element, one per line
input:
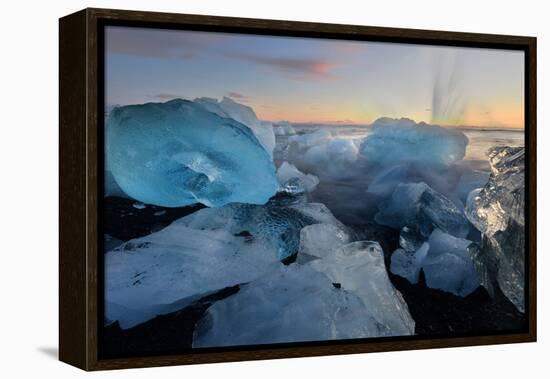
<point x="396" y="141"/>
<point x="179" y="153"/>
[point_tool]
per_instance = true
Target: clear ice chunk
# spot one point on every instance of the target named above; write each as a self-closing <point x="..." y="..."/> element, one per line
<point x="290" y="304"/>
<point x="410" y="238"/>
<point x="498" y="211"/>
<point x="178" y="153"/>
<point x="144" y="276"/>
<point x="384" y="183"/>
<point x="417" y="204"/>
<point x="245" y="115"/>
<point x="407" y="264"/>
<point x="360" y="269"/>
<point x="289" y="176"/>
<point x="448" y="265"/>
<point x="396" y="141"/>
<point x="320" y="240"/>
<point x="206" y="251"/>
<point x="279" y="226"/>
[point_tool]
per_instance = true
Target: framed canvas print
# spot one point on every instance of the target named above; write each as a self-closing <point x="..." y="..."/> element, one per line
<point x="237" y="189"/>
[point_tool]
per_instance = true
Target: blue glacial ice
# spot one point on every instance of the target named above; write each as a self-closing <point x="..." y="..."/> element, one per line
<point x="229" y="108"/>
<point x="206" y="251"/>
<point x="448" y="263"/>
<point x="395" y="141"/>
<point x="323" y="154"/>
<point x="289" y="176"/>
<point x="317" y="300"/>
<point x="407" y="264"/>
<point x="449" y="266"/>
<point x="290" y="304"/>
<point x="166" y="270"/>
<point x="179" y="153"/>
<point x="359" y="268"/>
<point x="278" y="226"/>
<point x="320" y="241"/>
<point x="417" y="204"/>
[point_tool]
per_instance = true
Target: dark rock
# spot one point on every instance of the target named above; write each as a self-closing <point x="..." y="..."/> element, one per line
<point x="164" y="334"/>
<point x="290" y="259"/>
<point x="439" y="313"/>
<point x="123" y="221"/>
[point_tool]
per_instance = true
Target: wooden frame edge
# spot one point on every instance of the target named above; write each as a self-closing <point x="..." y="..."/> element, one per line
<point x="78" y="196"/>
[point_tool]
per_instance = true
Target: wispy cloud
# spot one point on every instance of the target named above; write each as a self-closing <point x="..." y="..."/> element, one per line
<point x="297" y="68"/>
<point x="188" y="45"/>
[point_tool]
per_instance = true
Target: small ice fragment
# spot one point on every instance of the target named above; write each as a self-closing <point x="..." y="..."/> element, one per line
<point x="139" y="206"/>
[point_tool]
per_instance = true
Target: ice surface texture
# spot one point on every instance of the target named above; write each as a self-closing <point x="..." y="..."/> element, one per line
<point x="154" y="274"/>
<point x="206" y="251"/>
<point x="448" y="265"/>
<point x="322" y="153"/>
<point x="319" y="300"/>
<point x="419" y="205"/>
<point x="179" y="153"/>
<point x="498" y="211"/>
<point x="359" y="268"/>
<point x="320" y="241"/>
<point x="277" y="225"/>
<point x="290" y="178"/>
<point x="395" y="141"/>
<point x="407" y="263"/>
<point x="291" y="304"/>
<point x="447" y="262"/>
<point x="228" y="108"/>
<point x="283" y="128"/>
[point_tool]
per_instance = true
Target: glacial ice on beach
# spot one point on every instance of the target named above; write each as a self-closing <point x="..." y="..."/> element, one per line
<point x="278" y="226"/>
<point x="317" y="300"/>
<point x="396" y="141"/>
<point x="179" y="153"/>
<point x="335" y="151"/>
<point x="320" y="240"/>
<point x="322" y="153"/>
<point x="498" y="211"/>
<point x="360" y="269"/>
<point x="417" y="204"/>
<point x="448" y="265"/>
<point x="283" y="128"/>
<point x="407" y="263"/>
<point x="470" y="180"/>
<point x="290" y="304"/>
<point x="206" y="251"/>
<point x="410" y="239"/>
<point x="245" y="115"/>
<point x="385" y="181"/>
<point x="147" y="276"/>
<point x="288" y="171"/>
<point x="493" y="206"/>
<point x="315" y="138"/>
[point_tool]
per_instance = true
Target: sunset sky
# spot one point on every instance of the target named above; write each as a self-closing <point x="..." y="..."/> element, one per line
<point x="318" y="80"/>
